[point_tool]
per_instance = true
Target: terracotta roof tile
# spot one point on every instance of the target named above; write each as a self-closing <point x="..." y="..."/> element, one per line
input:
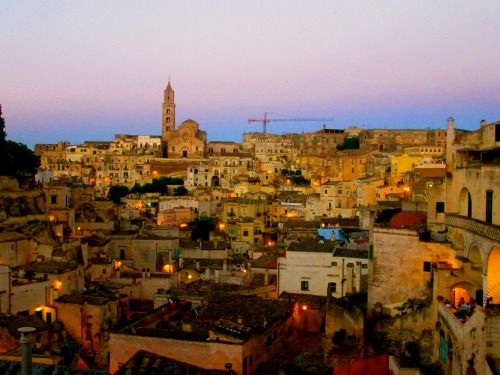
<point x="407" y="219"/>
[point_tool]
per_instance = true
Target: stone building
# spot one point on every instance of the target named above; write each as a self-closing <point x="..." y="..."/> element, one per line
<point x="316" y="267"/>
<point x="244" y="331"/>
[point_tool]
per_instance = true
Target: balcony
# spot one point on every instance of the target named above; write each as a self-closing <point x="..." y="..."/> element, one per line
<point x="475" y="226"/>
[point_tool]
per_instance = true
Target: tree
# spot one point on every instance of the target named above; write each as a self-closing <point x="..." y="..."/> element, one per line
<point x="202" y="228"/>
<point x="15" y="158"/>
<point x="2" y="128"/>
<point x="158" y="185"/>
<point x="300" y="180"/>
<point x="18" y="159"/>
<point x="350" y="143"/>
<point x="179" y="191"/>
<point x="116" y="193"/>
<point x="136" y="189"/>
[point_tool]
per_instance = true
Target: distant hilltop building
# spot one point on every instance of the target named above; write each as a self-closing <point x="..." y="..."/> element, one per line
<point x="187" y="141"/>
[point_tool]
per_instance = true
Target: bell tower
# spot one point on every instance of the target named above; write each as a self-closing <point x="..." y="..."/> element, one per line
<point x="168" y="113"/>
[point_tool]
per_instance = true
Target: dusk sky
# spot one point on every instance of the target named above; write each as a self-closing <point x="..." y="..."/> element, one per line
<point x="86" y="70"/>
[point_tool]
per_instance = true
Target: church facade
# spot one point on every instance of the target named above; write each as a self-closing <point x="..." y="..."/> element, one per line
<point x="186" y="141"/>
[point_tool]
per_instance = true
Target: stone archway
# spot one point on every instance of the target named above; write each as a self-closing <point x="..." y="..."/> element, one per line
<point x="475" y="258"/>
<point x="493" y="276"/>
<point x="459" y="295"/>
<point x="465" y="203"/>
<point x="214" y="181"/>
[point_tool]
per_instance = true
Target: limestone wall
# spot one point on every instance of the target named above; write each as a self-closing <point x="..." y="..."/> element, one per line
<point x="467" y="343"/>
<point x="210" y="355"/>
<point x="391" y="335"/>
<point x="398" y="265"/>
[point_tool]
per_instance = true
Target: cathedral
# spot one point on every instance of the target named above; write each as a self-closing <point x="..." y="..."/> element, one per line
<point x="186" y="141"/>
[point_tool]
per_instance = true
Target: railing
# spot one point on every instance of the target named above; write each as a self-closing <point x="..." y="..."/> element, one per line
<point x="479" y="227"/>
<point x="461" y="330"/>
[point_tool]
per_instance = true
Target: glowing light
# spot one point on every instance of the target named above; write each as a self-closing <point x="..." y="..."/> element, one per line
<point x="183" y="225"/>
<point x="58" y="284"/>
<point x="189" y="276"/>
<point x="221" y="226"/>
<point x="304" y="307"/>
<point x="39" y="309"/>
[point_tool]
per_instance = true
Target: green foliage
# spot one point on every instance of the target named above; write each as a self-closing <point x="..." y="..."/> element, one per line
<point x="2" y="128"/>
<point x="179" y="191"/>
<point x="298" y="172"/>
<point x="158" y="185"/>
<point x="136" y="189"/>
<point x="300" y="180"/>
<point x="18" y="159"/>
<point x="412" y="304"/>
<point x="202" y="228"/>
<point x="15" y="158"/>
<point x="350" y="143"/>
<point x="117" y="192"/>
<point x="285" y="172"/>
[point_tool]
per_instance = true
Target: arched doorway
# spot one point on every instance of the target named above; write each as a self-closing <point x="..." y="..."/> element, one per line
<point x="214" y="181"/>
<point x="465" y="203"/>
<point x="459" y="296"/>
<point x="493" y="276"/>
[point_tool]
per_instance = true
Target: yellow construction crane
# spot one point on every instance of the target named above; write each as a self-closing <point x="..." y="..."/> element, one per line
<point x="266" y="120"/>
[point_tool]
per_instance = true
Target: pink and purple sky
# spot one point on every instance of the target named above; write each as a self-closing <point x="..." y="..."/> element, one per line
<point x="90" y="69"/>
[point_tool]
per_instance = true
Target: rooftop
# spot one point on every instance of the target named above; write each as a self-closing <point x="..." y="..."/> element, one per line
<point x="52" y="267"/>
<point x="143" y="362"/>
<point x="313" y="246"/>
<point x="252" y="314"/>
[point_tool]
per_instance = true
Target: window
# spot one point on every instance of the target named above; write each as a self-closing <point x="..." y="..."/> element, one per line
<point x="245" y="233"/>
<point x="53" y="199"/>
<point x="332" y="287"/>
<point x="439" y="207"/>
<point x="427" y="266"/>
<point x="168" y="119"/>
<point x="334" y="264"/>
<point x="304" y="285"/>
<point x="497" y="132"/>
<point x="364" y="266"/>
<point x="489" y="206"/>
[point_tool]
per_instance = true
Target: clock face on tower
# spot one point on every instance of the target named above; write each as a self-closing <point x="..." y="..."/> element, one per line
<point x="185" y="136"/>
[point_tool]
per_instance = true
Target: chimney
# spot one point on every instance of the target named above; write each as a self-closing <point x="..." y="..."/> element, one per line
<point x="27" y="362"/>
